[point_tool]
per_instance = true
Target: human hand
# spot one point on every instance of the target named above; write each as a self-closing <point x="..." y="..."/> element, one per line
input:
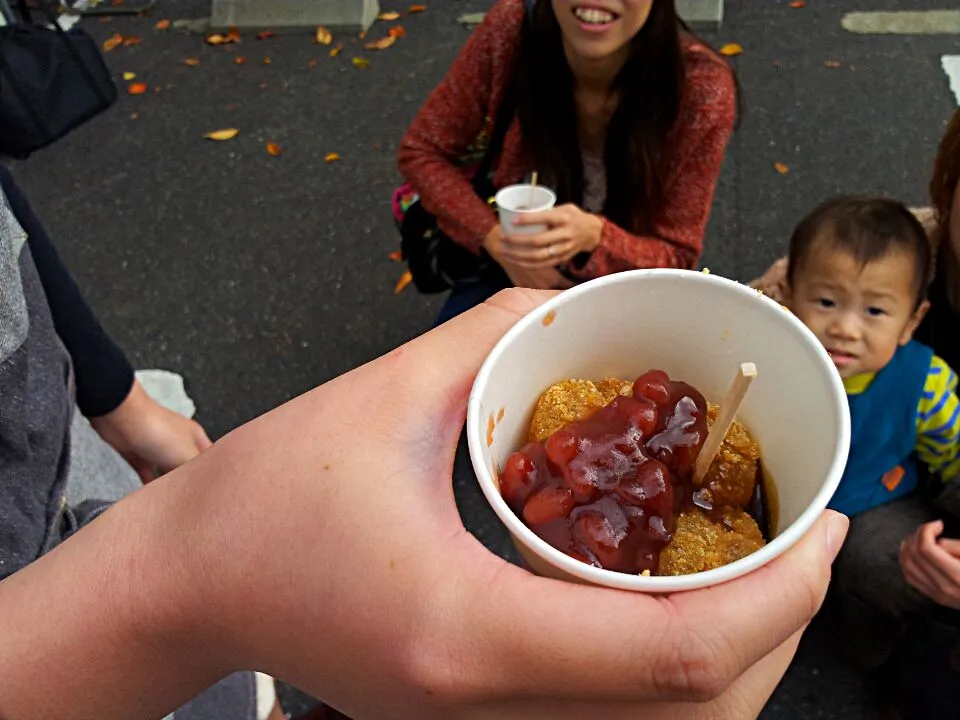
<point x="932" y="565"/>
<point x="367" y="497"/>
<point x="545" y="278"/>
<point x="344" y="568"/>
<point x="569" y="232"/>
<point x="153" y="439"/>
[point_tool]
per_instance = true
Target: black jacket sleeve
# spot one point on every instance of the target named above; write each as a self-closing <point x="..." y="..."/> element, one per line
<point x="103" y="374"/>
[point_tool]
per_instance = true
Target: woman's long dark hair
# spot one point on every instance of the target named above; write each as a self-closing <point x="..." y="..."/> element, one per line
<point x="946" y="177"/>
<point x="650" y="87"/>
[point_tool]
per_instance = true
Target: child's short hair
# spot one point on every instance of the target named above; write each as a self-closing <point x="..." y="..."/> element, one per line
<point x="868" y="228"/>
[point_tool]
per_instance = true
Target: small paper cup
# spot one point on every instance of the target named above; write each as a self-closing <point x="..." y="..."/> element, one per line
<point x="516" y="200"/>
<point x="698" y="328"/>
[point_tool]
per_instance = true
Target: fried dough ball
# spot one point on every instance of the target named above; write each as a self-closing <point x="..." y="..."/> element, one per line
<point x="572" y="400"/>
<point x="700" y="544"/>
<point x="732" y="476"/>
<point x="611" y="387"/>
<point x="563" y="403"/>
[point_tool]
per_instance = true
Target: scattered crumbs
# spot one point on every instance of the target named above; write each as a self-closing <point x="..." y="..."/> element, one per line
<point x="326" y="466"/>
<point x="490" y="426"/>
<point x="706" y="271"/>
<point x="500" y="415"/>
<point x="549" y="318"/>
<point x="645" y="573"/>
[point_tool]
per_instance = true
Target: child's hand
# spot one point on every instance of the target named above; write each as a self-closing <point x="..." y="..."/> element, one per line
<point x="931" y="565"/>
<point x="153" y="439"/>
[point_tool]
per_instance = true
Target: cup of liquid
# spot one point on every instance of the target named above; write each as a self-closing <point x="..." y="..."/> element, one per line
<point x="515" y="201"/>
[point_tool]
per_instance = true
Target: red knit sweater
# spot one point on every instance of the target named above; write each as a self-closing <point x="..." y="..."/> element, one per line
<point x="458" y="110"/>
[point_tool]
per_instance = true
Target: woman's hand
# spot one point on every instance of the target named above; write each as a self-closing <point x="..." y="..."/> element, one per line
<point x="932" y="565"/>
<point x="545" y="278"/>
<point x="570" y="231"/>
<point x="153" y="439"/>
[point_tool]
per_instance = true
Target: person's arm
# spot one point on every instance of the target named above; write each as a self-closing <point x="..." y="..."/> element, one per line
<point x="388" y="606"/>
<point x="455" y="113"/>
<point x="938" y="422"/>
<point x="104" y="376"/>
<point x="150" y="437"/>
<point x="699" y="142"/>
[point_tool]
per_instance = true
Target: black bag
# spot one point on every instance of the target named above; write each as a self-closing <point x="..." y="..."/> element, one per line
<point x="436" y="262"/>
<point x="51" y="82"/>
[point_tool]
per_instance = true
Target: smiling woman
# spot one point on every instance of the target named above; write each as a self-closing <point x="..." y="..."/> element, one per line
<point x="614" y="104"/>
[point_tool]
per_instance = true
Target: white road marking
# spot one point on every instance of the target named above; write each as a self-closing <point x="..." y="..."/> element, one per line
<point x="167" y="389"/>
<point x="923" y="22"/>
<point x="951" y="66"/>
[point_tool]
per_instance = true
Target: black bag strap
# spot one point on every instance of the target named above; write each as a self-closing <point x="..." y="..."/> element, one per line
<point x="25" y="15"/>
<point x="505" y="113"/>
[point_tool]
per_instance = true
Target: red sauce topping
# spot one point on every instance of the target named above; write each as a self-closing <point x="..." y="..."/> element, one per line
<point x="606" y="490"/>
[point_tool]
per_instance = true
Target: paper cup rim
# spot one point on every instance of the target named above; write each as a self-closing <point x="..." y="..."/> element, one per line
<point x="625" y="581"/>
<point x="540" y="207"/>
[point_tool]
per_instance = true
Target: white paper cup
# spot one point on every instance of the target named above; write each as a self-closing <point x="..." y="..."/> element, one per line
<point x="698" y="328"/>
<point x="516" y="200"/>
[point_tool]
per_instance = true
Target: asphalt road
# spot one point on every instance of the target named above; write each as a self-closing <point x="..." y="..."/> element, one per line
<point x="259" y="277"/>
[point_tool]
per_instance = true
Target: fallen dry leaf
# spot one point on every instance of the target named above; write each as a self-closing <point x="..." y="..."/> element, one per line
<point x="362" y="35"/>
<point x="129" y="76"/>
<point x="112" y="42"/>
<point x="313" y="62"/>
<point x="157" y="89"/>
<point x="402" y="283"/>
<point x="265" y="35"/>
<point x="324" y="36"/>
<point x="336" y="51"/>
<point x="240" y="60"/>
<point x="397" y="31"/>
<point x="388" y="16"/>
<point x="162" y="25"/>
<point x="233" y="36"/>
<point x="731" y="49"/>
<point x="832" y="63"/>
<point x="215" y="39"/>
<point x="360" y="62"/>
<point x="116" y="3"/>
<point x="781" y="168"/>
<point x="105" y="20"/>
<point x="381" y="44"/>
<point x="134" y="116"/>
<point x="137" y="88"/>
<point x="396" y="256"/>
<point x="227" y="134"/>
<point x="192" y="62"/>
<point x="267" y="60"/>
<point x="131" y="40"/>
<point x="797" y="4"/>
<point x="416" y="8"/>
<point x="273" y="149"/>
<point x="331" y="157"/>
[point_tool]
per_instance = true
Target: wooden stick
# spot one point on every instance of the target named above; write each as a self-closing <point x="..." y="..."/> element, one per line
<point x="725" y="417"/>
<point x="533" y="188"/>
